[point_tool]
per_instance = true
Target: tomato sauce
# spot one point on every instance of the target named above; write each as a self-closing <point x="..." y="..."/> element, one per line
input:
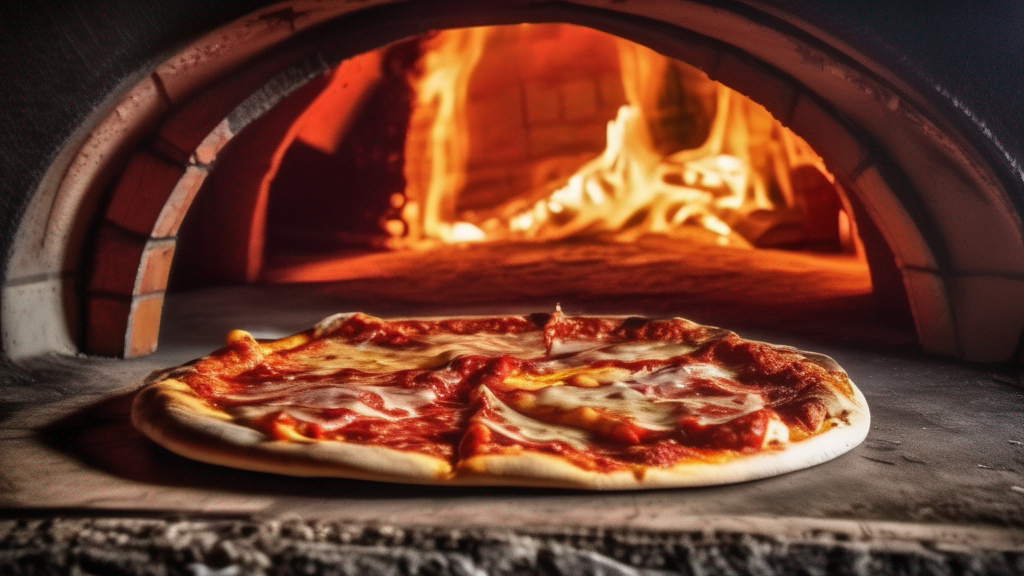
<point x="438" y="411"/>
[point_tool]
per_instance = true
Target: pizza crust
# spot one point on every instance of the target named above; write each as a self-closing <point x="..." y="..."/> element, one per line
<point x="169" y="412"/>
<point x="529" y="468"/>
<point x="172" y="415"/>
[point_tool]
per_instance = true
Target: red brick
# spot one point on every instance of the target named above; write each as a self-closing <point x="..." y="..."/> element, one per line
<point x="580" y="99"/>
<point x="142" y="191"/>
<point x="497" y="129"/>
<point x="53" y="243"/>
<point x="613" y="95"/>
<point x="841" y="149"/>
<point x="897" y="226"/>
<point x="567" y="138"/>
<point x="695" y="53"/>
<point x="762" y="86"/>
<point x="191" y="125"/>
<point x="127" y="265"/>
<point x="207" y="150"/>
<point x="543" y="103"/>
<point x="116" y="264"/>
<point x="144" y="325"/>
<point x="123" y="327"/>
<point x="155" y="267"/>
<point x="930" y="304"/>
<point x="168" y="151"/>
<point x="106" y="325"/>
<point x="211" y="57"/>
<point x="179" y="201"/>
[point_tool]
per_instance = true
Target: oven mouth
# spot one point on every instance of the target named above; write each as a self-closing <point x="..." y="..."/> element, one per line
<point x="102" y="269"/>
<point x="490" y="167"/>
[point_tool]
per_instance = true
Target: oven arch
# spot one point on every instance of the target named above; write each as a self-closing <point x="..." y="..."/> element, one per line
<point x="940" y="205"/>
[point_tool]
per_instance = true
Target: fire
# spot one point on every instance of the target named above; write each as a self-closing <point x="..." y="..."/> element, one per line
<point x="634" y="187"/>
<point x="441" y="95"/>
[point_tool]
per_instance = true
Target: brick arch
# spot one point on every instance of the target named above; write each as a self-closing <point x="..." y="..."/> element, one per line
<point x="951" y="301"/>
<point x="135" y="241"/>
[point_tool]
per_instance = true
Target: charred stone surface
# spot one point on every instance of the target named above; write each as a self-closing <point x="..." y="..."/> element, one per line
<point x="944" y="449"/>
<point x="245" y="546"/>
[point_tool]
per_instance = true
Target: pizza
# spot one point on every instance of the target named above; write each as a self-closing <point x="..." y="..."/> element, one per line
<point x="591" y="402"/>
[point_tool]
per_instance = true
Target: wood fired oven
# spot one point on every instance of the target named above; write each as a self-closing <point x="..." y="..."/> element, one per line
<point x="176" y="171"/>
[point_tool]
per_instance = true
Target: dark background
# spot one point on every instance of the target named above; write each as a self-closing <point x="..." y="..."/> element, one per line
<point x="60" y="60"/>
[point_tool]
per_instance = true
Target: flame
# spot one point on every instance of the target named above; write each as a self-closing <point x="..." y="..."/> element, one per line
<point x="630" y="189"/>
<point x="440" y="100"/>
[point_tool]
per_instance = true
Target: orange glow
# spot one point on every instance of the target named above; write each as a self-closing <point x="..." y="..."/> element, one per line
<point x="325" y="122"/>
<point x="634" y="187"/>
<point x="441" y="96"/>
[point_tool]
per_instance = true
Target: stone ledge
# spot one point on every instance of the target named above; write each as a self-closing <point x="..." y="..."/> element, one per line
<point x="243" y="546"/>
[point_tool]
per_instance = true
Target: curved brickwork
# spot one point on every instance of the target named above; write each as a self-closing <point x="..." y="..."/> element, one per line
<point x="135" y="242"/>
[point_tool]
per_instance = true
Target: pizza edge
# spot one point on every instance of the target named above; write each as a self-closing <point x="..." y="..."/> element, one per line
<point x="174" y="417"/>
<point x="171" y="414"/>
<point x="532" y="468"/>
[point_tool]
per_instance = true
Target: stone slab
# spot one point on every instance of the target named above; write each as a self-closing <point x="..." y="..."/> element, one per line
<point x="944" y="448"/>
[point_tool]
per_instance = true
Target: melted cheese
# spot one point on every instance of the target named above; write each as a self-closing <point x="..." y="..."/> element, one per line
<point x="582" y="376"/>
<point x="308" y="401"/>
<point x="651" y="399"/>
<point x="409" y="400"/>
<point x="527" y="346"/>
<point x="334" y="356"/>
<point x="656" y="400"/>
<point x="435" y="350"/>
<point x="681" y="376"/>
<point x="430" y="352"/>
<point x="516" y="426"/>
<point x="777" y="433"/>
<point x="618" y="398"/>
<point x="579" y="352"/>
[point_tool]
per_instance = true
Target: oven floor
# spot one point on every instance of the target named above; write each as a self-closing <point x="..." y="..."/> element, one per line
<point x="722" y="285"/>
<point x="945" y="447"/>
